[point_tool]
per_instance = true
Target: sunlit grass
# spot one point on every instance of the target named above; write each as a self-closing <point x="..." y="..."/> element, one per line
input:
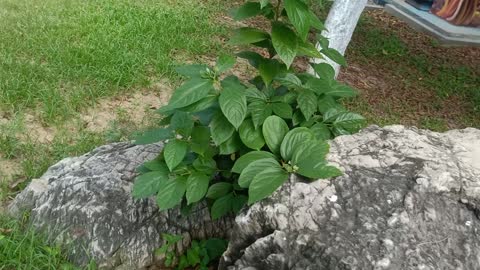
<point x="60" y="56"/>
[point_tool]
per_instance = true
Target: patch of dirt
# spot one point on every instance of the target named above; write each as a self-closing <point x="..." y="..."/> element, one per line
<point x="401" y="96"/>
<point x="134" y="107"/>
<point x="8" y="168"/>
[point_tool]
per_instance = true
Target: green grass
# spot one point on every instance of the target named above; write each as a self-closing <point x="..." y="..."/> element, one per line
<point x="58" y="56"/>
<point x="34" y="157"/>
<point x="418" y="69"/>
<point x="23" y="249"/>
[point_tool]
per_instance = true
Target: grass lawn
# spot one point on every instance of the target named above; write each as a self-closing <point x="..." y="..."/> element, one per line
<point x="58" y="57"/>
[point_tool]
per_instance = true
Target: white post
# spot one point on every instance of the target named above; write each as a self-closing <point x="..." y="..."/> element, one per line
<point x="340" y="24"/>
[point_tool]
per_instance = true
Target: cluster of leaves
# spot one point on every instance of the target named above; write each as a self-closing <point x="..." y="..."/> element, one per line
<point x="231" y="142"/>
<point x="200" y="253"/>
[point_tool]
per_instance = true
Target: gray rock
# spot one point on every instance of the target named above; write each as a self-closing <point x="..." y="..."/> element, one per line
<point x="85" y="202"/>
<point x="408" y="200"/>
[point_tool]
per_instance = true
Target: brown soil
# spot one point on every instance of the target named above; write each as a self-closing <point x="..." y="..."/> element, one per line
<point x="391" y="96"/>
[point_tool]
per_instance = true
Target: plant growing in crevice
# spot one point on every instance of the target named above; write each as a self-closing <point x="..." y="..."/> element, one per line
<point x="199" y="254"/>
<point x="233" y="142"/>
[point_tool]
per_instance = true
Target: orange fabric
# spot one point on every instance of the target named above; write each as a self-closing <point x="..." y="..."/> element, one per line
<point x="459" y="12"/>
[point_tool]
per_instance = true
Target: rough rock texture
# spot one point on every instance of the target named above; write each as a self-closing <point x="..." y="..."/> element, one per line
<point x="409" y="199"/>
<point x="86" y="203"/>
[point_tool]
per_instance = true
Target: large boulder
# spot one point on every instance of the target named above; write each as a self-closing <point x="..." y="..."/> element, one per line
<point x="86" y="203"/>
<point x="409" y="199"/>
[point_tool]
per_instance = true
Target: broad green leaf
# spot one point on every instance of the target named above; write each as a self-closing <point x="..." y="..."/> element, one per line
<point x="318" y="170"/>
<point x="174" y="152"/>
<point x="324" y="70"/>
<point x="233" y="103"/>
<point x="182" y="123"/>
<point x="224" y="63"/>
<point x="289" y="98"/>
<point x="200" y="139"/>
<point x="156" y="165"/>
<point x="205" y="165"/>
<point x="299" y="16"/>
<point x="331" y="115"/>
<point x="253" y="58"/>
<point x="319" y="85"/>
<point x="253" y="93"/>
<point x="323" y="41"/>
<point x="349" y="121"/>
<point x="247" y="35"/>
<point x="218" y="190"/>
<point x="209" y="101"/>
<point x="222" y="206"/>
<point x="335" y="56"/>
<point x="313" y="151"/>
<point x="338" y="131"/>
<point x="142" y="169"/>
<point x="274" y="129"/>
<point x="230" y="146"/>
<point x="297" y="118"/>
<point x="341" y="90"/>
<point x="205" y="117"/>
<point x="311" y="121"/>
<point x="285" y="43"/>
<point x="265" y="183"/>
<point x="171" y="192"/>
<point x="293" y="139"/>
<point x="267" y="45"/>
<point x="190" y="92"/>
<point x="326" y="103"/>
<point x="220" y="128"/>
<point x="269" y="69"/>
<point x="250" y="136"/>
<point x="194" y="70"/>
<point x="248" y="158"/>
<point x="289" y="80"/>
<point x="282" y="109"/>
<point x="215" y="247"/>
<point x="238" y="203"/>
<point x="197" y="186"/>
<point x="307" y="101"/>
<point x="148" y="184"/>
<point x="305" y="48"/>
<point x="315" y="22"/>
<point x="249" y="9"/>
<point x="254" y="168"/>
<point x="154" y="135"/>
<point x="321" y="131"/>
<point x="259" y="110"/>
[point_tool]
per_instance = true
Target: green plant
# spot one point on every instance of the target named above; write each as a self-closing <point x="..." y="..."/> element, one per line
<point x="232" y="142"/>
<point x="200" y="253"/>
<point x="22" y="248"/>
